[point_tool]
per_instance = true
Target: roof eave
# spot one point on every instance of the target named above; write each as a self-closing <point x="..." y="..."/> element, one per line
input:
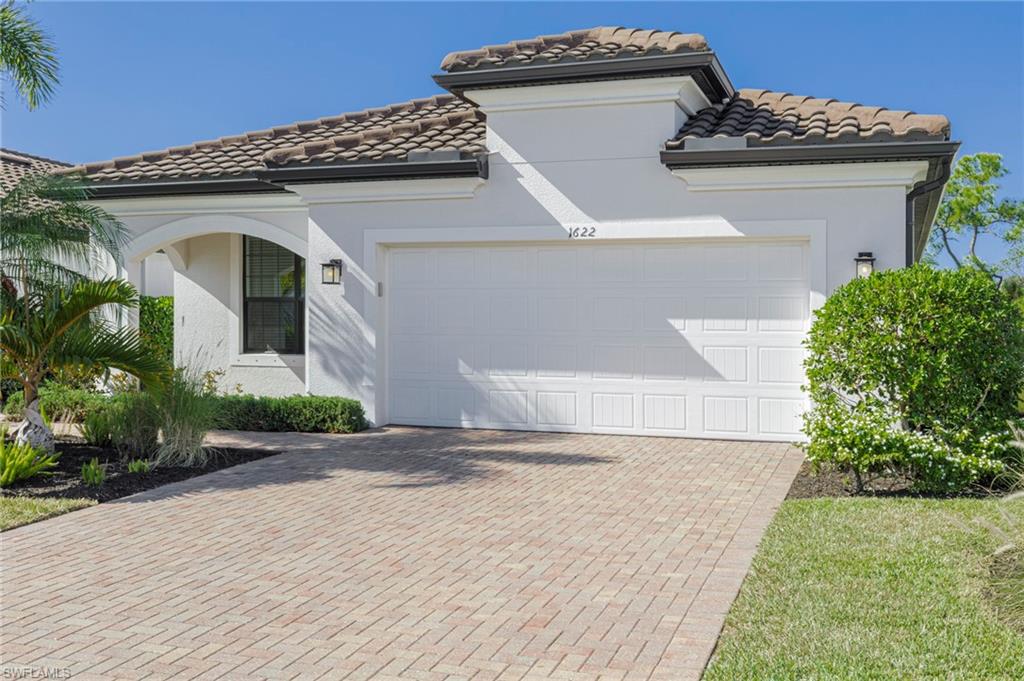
<point x="131" y="190"/>
<point x="356" y="172"/>
<point x="818" y="153"/>
<point x="704" y="67"/>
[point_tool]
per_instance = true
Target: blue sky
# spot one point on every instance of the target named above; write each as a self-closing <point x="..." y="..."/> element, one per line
<point x="139" y="76"/>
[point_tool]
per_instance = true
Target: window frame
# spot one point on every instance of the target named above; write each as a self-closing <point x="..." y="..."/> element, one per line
<point x="299" y="297"/>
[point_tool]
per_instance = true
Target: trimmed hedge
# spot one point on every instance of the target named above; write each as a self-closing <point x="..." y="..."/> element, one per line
<point x="60" y="402"/>
<point x="156" y="325"/>
<point x="298" y="413"/>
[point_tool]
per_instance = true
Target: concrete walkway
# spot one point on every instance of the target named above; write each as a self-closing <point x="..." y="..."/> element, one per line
<point x="402" y="554"/>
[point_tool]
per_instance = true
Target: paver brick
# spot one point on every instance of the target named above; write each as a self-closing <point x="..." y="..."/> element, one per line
<point x="405" y="553"/>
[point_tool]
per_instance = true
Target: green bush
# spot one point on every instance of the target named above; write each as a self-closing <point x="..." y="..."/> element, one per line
<point x="915" y="372"/>
<point x="138" y="466"/>
<point x="60" y="402"/>
<point x="98" y="427"/>
<point x="134" y="424"/>
<point x="94" y="473"/>
<point x="20" y="462"/>
<point x="156" y="325"/>
<point x="186" y="413"/>
<point x="298" y="413"/>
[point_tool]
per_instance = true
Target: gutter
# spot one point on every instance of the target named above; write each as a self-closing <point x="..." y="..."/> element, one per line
<point x="125" y="190"/>
<point x="271" y="180"/>
<point x="355" y="172"/>
<point x="922" y="189"/>
<point x="704" y="67"/>
<point x="817" y="153"/>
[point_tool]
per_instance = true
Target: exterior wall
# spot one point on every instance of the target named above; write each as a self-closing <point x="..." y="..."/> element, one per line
<point x="549" y="170"/>
<point x="207" y="324"/>
<point x="157" y="276"/>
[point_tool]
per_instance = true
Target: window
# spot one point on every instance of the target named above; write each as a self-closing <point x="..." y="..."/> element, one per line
<point x="273" y="296"/>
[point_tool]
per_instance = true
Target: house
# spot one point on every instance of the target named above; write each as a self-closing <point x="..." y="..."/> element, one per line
<point x="156" y="276"/>
<point x="592" y="232"/>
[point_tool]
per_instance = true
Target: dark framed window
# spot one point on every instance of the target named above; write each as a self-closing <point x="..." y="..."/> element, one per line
<point x="273" y="298"/>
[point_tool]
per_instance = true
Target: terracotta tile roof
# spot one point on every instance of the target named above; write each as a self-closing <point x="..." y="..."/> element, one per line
<point x="602" y="42"/>
<point x="767" y="118"/>
<point x="386" y="133"/>
<point x="15" y="165"/>
<point x="460" y="130"/>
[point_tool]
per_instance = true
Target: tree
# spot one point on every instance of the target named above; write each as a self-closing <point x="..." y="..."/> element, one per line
<point x="971" y="212"/>
<point x="53" y="316"/>
<point x="28" y="58"/>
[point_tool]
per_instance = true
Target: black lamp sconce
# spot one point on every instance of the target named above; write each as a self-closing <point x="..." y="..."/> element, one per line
<point x="330" y="272"/>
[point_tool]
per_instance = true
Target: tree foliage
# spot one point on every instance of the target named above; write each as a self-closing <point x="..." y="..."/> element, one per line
<point x="28" y="58"/>
<point x="916" y="372"/>
<point x="971" y="212"/>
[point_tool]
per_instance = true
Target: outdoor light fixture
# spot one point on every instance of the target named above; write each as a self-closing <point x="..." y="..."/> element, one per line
<point x="330" y="272"/>
<point x="865" y="264"/>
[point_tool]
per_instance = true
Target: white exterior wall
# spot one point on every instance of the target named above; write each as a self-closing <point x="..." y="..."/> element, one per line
<point x="157" y="275"/>
<point x="551" y="168"/>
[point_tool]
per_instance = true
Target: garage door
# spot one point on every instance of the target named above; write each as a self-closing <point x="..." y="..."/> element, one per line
<point x="700" y="340"/>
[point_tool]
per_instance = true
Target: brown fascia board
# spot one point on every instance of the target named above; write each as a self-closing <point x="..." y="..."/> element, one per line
<point x="262" y="181"/>
<point x="396" y="170"/>
<point x="704" y="67"/>
<point x="816" y="153"/>
<point x="129" y="190"/>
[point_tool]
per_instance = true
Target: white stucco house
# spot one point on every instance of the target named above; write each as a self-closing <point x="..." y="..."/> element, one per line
<point x="593" y="232"/>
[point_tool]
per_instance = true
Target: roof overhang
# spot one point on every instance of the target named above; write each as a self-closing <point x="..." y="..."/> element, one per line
<point x="703" y="67"/>
<point x="272" y="179"/>
<point x="816" y="153"/>
<point x="923" y="198"/>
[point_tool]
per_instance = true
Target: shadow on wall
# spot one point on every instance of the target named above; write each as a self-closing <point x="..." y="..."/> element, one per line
<point x="417" y="457"/>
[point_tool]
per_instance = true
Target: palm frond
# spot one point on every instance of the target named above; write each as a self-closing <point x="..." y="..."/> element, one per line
<point x="90" y="346"/>
<point x="27" y="55"/>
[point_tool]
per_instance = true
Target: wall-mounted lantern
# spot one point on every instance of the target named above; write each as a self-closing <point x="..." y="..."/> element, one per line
<point x="330" y="272"/>
<point x="865" y="264"/>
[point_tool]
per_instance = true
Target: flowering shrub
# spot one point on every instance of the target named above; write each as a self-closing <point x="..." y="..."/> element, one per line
<point x="915" y="372"/>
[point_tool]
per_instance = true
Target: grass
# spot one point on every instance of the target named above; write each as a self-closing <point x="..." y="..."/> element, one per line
<point x="870" y="589"/>
<point x="15" y="511"/>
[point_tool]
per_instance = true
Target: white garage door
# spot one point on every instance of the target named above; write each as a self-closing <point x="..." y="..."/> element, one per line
<point x="699" y="340"/>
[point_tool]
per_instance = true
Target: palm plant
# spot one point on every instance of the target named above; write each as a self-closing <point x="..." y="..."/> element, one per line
<point x="53" y="316"/>
<point x="27" y="56"/>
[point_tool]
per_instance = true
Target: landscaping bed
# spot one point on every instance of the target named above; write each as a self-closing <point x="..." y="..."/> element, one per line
<point x="65" y="481"/>
<point x="831" y="483"/>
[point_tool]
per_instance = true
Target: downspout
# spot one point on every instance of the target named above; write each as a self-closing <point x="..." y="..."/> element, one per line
<point x="921" y="189"/>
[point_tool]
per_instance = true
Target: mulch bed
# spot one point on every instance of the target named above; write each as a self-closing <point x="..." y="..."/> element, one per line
<point x="66" y="479"/>
<point x="832" y="483"/>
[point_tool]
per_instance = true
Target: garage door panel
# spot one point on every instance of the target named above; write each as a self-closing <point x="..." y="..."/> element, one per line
<point x="638" y="338"/>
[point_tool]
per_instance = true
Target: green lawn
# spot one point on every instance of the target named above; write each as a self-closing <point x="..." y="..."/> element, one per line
<point x="15" y="511"/>
<point x="872" y="589"/>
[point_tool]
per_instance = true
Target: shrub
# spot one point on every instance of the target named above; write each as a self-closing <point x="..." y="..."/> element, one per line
<point x="186" y="412"/>
<point x="156" y="325"/>
<point x="915" y="372"/>
<point x="135" y="424"/>
<point x="94" y="473"/>
<point x="298" y="413"/>
<point x="61" y="402"/>
<point x="19" y="462"/>
<point x="98" y="427"/>
<point x="138" y="466"/>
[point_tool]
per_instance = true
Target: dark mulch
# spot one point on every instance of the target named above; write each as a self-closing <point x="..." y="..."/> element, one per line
<point x="833" y="483"/>
<point x="66" y="478"/>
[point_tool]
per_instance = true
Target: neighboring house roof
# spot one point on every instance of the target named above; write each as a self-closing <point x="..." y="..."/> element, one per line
<point x="14" y="165"/>
<point x="446" y="135"/>
<point x="764" y="117"/>
<point x="601" y="42"/>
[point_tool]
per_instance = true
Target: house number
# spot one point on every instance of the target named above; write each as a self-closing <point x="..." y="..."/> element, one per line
<point x="582" y="232"/>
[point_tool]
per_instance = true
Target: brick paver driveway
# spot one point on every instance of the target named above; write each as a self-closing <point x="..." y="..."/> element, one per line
<point x="405" y="554"/>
